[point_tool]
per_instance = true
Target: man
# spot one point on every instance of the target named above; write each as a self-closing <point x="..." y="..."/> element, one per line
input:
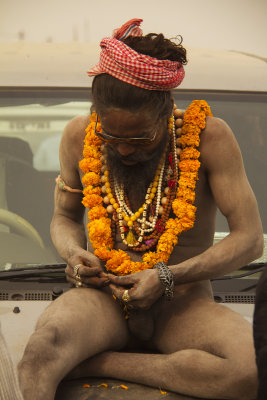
<point x="147" y="181"/>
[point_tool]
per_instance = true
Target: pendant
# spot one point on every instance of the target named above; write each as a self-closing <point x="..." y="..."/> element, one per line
<point x="130" y="238"/>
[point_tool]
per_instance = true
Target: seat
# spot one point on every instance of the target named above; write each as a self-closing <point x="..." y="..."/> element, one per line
<point x="24" y="190"/>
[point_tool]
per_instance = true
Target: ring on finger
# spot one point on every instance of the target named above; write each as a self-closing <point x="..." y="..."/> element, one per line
<point x="125" y="296"/>
<point x="76" y="269"/>
<point x="77" y="277"/>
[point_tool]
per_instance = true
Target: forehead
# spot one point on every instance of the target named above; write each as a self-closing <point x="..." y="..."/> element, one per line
<point x="124" y="123"/>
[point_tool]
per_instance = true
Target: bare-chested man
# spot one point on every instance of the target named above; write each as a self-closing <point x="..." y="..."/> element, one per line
<point x="139" y="171"/>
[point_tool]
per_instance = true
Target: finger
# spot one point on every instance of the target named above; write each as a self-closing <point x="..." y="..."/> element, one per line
<point x="118" y="292"/>
<point x="89" y="271"/>
<point x="91" y="259"/>
<point x="85" y="270"/>
<point x="119" y="288"/>
<point x="68" y="270"/>
<point x="95" y="282"/>
<point x="122" y="280"/>
<point x="74" y="283"/>
<point x="69" y="279"/>
<point x="88" y="282"/>
<point x="85" y="259"/>
<point x="104" y="275"/>
<point x="69" y="276"/>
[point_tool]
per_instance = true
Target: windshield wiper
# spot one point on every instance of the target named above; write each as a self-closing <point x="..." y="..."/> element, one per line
<point x="32" y="270"/>
<point x="251" y="269"/>
<point x="35" y="270"/>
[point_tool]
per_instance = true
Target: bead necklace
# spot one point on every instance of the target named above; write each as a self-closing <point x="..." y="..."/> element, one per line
<point x="151" y="240"/>
<point x="137" y="222"/>
<point x="179" y="197"/>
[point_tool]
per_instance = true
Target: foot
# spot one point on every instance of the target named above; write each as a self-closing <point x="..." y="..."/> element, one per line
<point x="92" y="367"/>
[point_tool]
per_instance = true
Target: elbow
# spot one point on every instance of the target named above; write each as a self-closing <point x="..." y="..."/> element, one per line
<point x="261" y="247"/>
<point x="257" y="245"/>
<point x="52" y="224"/>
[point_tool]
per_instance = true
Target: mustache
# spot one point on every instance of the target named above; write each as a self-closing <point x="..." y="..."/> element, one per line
<point x="137" y="157"/>
<point x="135" y="178"/>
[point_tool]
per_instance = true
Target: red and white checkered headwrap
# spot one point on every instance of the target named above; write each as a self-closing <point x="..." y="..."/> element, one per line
<point x="124" y="63"/>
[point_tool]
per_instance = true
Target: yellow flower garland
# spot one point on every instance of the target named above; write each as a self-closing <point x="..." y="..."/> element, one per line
<point x="99" y="227"/>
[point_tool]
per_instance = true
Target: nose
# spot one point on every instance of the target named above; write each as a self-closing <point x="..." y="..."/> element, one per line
<point x="125" y="149"/>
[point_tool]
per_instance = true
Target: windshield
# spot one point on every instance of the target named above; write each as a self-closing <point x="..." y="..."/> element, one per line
<point x="31" y="125"/>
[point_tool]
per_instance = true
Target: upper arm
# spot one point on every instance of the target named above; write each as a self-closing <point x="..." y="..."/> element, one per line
<point x="70" y="153"/>
<point x="222" y="159"/>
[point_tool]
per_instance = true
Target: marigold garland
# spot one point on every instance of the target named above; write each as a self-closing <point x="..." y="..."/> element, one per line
<point x="99" y="227"/>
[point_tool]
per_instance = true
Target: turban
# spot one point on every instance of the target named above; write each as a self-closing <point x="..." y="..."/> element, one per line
<point x="124" y="63"/>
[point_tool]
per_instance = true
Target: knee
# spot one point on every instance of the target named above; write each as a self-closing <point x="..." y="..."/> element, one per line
<point x="42" y="347"/>
<point x="244" y="384"/>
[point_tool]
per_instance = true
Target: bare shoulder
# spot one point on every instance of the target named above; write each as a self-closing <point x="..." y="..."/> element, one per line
<point x="73" y="136"/>
<point x="71" y="150"/>
<point x="218" y="144"/>
<point x="216" y="129"/>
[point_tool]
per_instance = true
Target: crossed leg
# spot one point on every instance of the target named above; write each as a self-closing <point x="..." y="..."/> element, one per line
<point x="76" y="326"/>
<point x="206" y="350"/>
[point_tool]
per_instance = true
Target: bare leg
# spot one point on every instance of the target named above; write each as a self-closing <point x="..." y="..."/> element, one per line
<point x="206" y="352"/>
<point x="78" y="325"/>
<point x="184" y="372"/>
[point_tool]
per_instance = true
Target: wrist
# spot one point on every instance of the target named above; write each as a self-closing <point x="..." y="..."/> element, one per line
<point x="166" y="277"/>
<point x="74" y="254"/>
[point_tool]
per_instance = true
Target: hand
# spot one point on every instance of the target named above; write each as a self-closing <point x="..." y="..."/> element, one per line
<point x="144" y="288"/>
<point x="90" y="270"/>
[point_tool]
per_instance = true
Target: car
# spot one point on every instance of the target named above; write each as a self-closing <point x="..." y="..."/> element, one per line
<point x="45" y="85"/>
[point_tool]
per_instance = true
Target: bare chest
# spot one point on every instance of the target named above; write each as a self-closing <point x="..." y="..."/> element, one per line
<point x="195" y="240"/>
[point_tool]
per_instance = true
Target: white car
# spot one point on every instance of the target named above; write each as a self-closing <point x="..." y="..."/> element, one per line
<point x="42" y="87"/>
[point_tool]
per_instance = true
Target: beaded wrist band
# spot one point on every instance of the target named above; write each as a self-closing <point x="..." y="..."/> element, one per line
<point x="166" y="277"/>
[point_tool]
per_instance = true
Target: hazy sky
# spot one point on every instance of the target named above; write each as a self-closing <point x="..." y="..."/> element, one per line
<point x="229" y="24"/>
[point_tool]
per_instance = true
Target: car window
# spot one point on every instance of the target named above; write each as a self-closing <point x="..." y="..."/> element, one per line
<point x="246" y="114"/>
<point x="30" y="133"/>
<point x="31" y="125"/>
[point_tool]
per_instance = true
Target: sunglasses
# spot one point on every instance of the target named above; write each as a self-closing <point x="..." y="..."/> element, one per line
<point x="114" y="139"/>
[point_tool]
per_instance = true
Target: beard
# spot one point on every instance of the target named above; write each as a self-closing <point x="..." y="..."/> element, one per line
<point x="135" y="178"/>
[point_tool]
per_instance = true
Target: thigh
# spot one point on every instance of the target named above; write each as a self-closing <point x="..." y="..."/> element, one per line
<point x="194" y="321"/>
<point x="85" y="320"/>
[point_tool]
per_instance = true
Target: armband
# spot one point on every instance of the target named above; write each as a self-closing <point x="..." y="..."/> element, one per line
<point x="62" y="186"/>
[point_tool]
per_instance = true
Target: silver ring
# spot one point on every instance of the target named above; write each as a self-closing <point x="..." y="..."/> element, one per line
<point x="76" y="270"/>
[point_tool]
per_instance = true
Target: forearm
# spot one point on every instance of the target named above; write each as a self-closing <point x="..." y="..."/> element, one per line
<point x="231" y="253"/>
<point x="67" y="236"/>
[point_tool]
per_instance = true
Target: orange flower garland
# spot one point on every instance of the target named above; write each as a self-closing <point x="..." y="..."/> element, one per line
<point x="99" y="227"/>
